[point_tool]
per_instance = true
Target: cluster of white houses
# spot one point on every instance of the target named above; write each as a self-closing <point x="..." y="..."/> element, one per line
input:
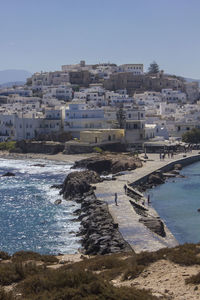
<point x="50" y="103"/>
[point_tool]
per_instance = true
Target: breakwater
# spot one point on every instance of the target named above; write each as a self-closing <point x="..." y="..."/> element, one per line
<point x="139" y="237"/>
<point x="99" y="233"/>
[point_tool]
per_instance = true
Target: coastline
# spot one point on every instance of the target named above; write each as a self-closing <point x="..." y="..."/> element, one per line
<point x="38" y="156"/>
<point x="139" y="237"/>
<point x="136" y="234"/>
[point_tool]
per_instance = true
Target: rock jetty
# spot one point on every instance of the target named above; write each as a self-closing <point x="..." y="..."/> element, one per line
<point x="99" y="233"/>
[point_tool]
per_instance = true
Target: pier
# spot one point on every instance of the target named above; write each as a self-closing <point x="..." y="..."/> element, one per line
<point x="139" y="237"/>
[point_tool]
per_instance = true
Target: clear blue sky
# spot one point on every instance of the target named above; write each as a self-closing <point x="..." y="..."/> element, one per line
<point x="44" y="34"/>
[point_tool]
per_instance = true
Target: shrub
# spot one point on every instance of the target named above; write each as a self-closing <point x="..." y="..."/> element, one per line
<point x="21" y="256"/>
<point x="49" y="259"/>
<point x="6" y="296"/>
<point x="76" y="285"/>
<point x="14" y="272"/>
<point x="192" y="136"/>
<point x="7" y="145"/>
<point x="98" y="150"/>
<point x="4" y="255"/>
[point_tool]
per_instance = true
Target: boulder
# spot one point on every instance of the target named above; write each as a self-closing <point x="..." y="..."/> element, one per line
<point x="177" y="167"/>
<point x="56" y="186"/>
<point x="156" y="178"/>
<point x="106" y="164"/>
<point x="58" y="201"/>
<point x="8" y="174"/>
<point x="78" y="183"/>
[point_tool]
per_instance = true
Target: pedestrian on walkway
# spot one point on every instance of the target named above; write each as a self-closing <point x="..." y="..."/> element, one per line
<point x="160" y="155"/>
<point x="116" y="199"/>
<point x="125" y="189"/>
<point x="148" y="199"/>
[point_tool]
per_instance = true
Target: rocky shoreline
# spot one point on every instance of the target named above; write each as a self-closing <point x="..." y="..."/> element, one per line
<point x="99" y="234"/>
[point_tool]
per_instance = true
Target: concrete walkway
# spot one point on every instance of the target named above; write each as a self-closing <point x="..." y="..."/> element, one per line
<point x="139" y="237"/>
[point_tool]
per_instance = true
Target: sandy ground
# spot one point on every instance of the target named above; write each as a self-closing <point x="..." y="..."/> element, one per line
<point x="166" y="280"/>
<point x="56" y="157"/>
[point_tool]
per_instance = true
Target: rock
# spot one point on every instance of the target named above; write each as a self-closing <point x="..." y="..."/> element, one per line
<point x="154" y="224"/>
<point x="58" y="201"/>
<point x="177" y="167"/>
<point x="78" y="183"/>
<point x="156" y="178"/>
<point x="8" y="174"/>
<point x="106" y="164"/>
<point x="56" y="186"/>
<point x="198" y="209"/>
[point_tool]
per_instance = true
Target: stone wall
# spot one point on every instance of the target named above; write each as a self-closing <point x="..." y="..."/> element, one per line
<point x="39" y="147"/>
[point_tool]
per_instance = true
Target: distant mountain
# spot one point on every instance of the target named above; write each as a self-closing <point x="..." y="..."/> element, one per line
<point x="191" y="80"/>
<point x="13" y="76"/>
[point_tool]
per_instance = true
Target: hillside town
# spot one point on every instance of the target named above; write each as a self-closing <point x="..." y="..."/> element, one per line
<point x="98" y="105"/>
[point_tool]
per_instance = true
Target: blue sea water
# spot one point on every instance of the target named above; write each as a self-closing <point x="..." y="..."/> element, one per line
<point x="177" y="202"/>
<point x="29" y="219"/>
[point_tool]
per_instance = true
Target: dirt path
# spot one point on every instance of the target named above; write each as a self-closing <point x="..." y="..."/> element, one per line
<point x="166" y="280"/>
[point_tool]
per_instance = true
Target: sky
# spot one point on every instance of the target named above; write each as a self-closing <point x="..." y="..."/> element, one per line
<point x="42" y="35"/>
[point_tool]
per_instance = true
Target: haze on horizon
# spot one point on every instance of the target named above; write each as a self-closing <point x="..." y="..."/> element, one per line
<point x="43" y="35"/>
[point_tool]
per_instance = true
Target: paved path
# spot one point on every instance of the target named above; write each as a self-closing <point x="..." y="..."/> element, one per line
<point x="139" y="237"/>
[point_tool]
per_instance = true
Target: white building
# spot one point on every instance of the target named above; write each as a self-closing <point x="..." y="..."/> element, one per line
<point x="173" y="96"/>
<point x="136" y="69"/>
<point x="79" y="117"/>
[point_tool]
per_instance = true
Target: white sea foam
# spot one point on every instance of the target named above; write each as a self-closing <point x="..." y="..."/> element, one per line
<point x="34" y="183"/>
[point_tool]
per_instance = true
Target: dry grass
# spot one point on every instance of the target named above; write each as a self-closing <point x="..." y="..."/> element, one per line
<point x="89" y="279"/>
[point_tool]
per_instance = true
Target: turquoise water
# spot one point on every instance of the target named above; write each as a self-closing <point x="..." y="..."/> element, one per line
<point x="29" y="219"/>
<point x="177" y="202"/>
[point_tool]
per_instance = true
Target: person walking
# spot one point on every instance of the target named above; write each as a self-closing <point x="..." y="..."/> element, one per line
<point x="125" y="189"/>
<point x="160" y="155"/>
<point x="116" y="199"/>
<point x="148" y="199"/>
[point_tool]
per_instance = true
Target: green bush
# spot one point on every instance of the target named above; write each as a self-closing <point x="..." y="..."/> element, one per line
<point x="22" y="256"/>
<point x="7" y="146"/>
<point x="192" y="136"/>
<point x="65" y="284"/>
<point x="98" y="150"/>
<point x="14" y="272"/>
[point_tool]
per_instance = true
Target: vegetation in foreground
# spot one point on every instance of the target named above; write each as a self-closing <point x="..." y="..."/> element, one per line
<point x="90" y="279"/>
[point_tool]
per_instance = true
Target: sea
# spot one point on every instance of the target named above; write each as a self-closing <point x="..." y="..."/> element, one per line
<point x="29" y="219"/>
<point x="177" y="202"/>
